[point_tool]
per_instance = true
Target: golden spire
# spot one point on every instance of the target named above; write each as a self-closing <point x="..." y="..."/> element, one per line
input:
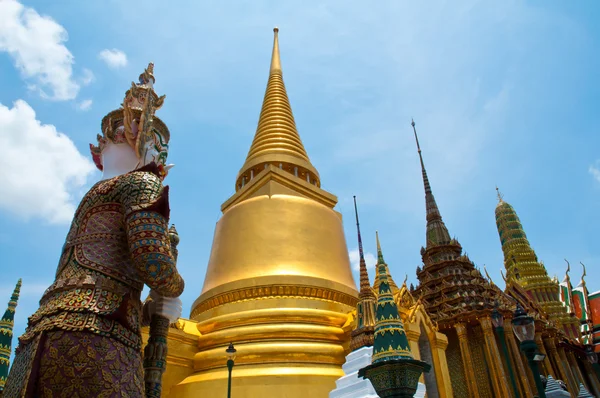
<point x="276" y="140"/>
<point x="275" y="60"/>
<point x="380" y="260"/>
<point x="500" y="196"/>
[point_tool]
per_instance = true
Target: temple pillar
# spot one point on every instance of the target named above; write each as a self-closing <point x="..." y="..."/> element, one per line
<point x="592" y="376"/>
<point x="571" y="382"/>
<point x="439" y="343"/>
<point x="465" y="353"/>
<point x="499" y="380"/>
<point x="521" y="370"/>
<point x="547" y="365"/>
<point x="561" y="371"/>
<point x="575" y="367"/>
<point x="413" y="332"/>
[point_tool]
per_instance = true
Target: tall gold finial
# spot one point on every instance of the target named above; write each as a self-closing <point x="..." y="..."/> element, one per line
<point x="276" y="140"/>
<point x="500" y="196"/>
<point x="275" y="60"/>
<point x="584" y="273"/>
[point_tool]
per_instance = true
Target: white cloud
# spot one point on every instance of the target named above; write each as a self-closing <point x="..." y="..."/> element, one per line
<point x="595" y="171"/>
<point x="114" y="58"/>
<point x="35" y="43"/>
<point x="370" y="259"/>
<point x="85" y="105"/>
<point x="42" y="167"/>
<point x="88" y="77"/>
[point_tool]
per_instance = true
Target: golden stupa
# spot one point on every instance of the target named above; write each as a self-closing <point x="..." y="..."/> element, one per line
<point x="278" y="283"/>
<point x="279" y="286"/>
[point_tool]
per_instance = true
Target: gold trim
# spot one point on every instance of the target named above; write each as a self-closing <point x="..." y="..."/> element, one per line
<point x="274" y="291"/>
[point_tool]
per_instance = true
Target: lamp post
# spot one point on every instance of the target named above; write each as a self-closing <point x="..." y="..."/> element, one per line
<point x="524" y="328"/>
<point x="593" y="358"/>
<point x="230" y="358"/>
<point x="498" y="322"/>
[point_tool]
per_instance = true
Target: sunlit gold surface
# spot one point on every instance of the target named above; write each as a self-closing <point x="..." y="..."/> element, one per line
<point x="277" y="140"/>
<point x="279" y="286"/>
<point x="278" y="235"/>
<point x="278" y="282"/>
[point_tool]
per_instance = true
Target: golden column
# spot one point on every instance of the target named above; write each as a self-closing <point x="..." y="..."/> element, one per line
<point x="438" y="349"/>
<point x="278" y="282"/>
<point x="547" y="364"/>
<point x="494" y="359"/>
<point x="560" y="372"/>
<point x="575" y="366"/>
<point x="571" y="382"/>
<point x="461" y="331"/>
<point x="518" y="361"/>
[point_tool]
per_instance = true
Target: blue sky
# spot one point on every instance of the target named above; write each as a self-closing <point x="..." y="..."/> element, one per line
<point x="503" y="93"/>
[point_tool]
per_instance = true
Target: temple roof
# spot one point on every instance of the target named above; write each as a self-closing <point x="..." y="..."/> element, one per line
<point x="449" y="284"/>
<point x="276" y="140"/>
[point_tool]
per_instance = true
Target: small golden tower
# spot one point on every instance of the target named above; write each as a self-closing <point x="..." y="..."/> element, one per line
<point x="278" y="283"/>
<point x="524" y="269"/>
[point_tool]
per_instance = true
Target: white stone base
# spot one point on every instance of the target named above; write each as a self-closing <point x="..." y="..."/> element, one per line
<point x="351" y="386"/>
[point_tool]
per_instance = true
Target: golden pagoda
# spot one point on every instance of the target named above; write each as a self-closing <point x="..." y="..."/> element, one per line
<point x="524" y="269"/>
<point x="278" y="283"/>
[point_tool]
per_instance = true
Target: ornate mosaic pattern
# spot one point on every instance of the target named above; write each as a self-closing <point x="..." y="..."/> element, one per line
<point x="390" y="341"/>
<point x="118" y="242"/>
<point x="6" y="333"/>
<point x="480" y="365"/>
<point x="455" y="366"/>
<point x="79" y="364"/>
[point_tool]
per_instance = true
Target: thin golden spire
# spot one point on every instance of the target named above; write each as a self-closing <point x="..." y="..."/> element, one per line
<point x="276" y="140"/>
<point x="365" y="285"/>
<point x="500" y="196"/>
<point x="381" y="261"/>
<point x="275" y="59"/>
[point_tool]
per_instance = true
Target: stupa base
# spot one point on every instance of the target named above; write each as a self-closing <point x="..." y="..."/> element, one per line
<point x="250" y="381"/>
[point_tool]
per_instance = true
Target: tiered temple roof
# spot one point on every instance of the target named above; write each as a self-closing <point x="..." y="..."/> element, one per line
<point x="449" y="284"/>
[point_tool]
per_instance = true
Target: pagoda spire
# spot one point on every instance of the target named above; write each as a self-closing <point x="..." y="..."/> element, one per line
<point x="276" y="140"/>
<point x="437" y="233"/>
<point x="500" y="196"/>
<point x="379" y="252"/>
<point x="6" y="332"/>
<point x="380" y="261"/>
<point x="390" y="341"/>
<point x="362" y="336"/>
<point x="365" y="285"/>
<point x="524" y="268"/>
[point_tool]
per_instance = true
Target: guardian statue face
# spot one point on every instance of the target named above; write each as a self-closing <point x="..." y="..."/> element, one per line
<point x="135" y="124"/>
